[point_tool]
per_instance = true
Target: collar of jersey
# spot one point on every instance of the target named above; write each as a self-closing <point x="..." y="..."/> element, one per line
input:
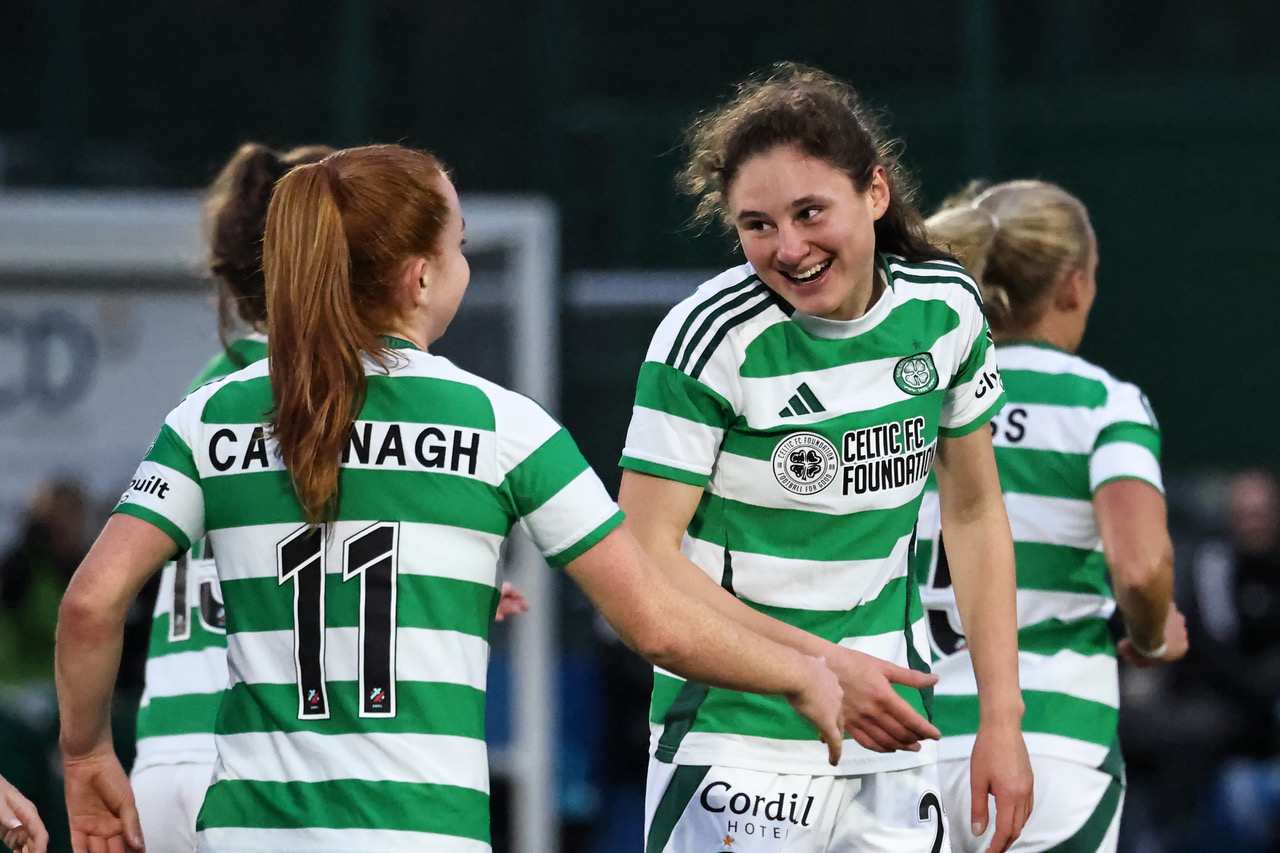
<point x="398" y="343"/>
<point x="821" y="327"/>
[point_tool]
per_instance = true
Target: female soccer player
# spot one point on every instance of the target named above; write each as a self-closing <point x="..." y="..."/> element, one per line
<point x="1078" y="453"/>
<point x="356" y="491"/>
<point x="23" y="831"/>
<point x="786" y="418"/>
<point x="187" y="657"/>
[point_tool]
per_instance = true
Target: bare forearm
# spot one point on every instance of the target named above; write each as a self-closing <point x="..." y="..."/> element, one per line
<point x="980" y="553"/>
<point x="1145" y="604"/>
<point x="694" y="582"/>
<point x="87" y="658"/>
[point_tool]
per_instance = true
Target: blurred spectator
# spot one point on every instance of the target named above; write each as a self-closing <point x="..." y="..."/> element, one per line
<point x="1236" y="658"/>
<point x="32" y="579"/>
<point x="33" y="576"/>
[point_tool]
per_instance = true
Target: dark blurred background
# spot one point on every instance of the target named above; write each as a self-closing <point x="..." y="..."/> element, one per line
<point x="1164" y="118"/>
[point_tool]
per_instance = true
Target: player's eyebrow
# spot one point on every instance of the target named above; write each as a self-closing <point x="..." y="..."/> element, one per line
<point x="798" y="204"/>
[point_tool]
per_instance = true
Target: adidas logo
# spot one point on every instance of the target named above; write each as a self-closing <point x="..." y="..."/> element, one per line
<point x="803" y="402"/>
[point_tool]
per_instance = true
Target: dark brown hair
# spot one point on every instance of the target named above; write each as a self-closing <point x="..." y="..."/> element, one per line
<point x="822" y="117"/>
<point x="235" y="212"/>
<point x="337" y="234"/>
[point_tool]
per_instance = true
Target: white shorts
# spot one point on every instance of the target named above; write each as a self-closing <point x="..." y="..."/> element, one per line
<point x="698" y="809"/>
<point x="1073" y="803"/>
<point x="169" y="797"/>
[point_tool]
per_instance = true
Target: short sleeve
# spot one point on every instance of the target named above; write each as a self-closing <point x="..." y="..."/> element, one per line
<point x="975" y="393"/>
<point x="166" y="490"/>
<point x="1128" y="442"/>
<point x="677" y="426"/>
<point x="557" y="498"/>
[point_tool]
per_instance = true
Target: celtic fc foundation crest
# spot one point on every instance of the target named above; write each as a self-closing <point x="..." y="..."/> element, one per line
<point x="805" y="463"/>
<point x="916" y="374"/>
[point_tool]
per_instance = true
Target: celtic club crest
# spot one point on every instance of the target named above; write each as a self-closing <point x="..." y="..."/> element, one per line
<point x="916" y="374"/>
<point x="805" y="463"/>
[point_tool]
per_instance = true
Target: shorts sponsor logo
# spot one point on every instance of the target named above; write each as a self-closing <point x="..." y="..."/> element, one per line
<point x="916" y="374"/>
<point x="805" y="463"/>
<point x="755" y="815"/>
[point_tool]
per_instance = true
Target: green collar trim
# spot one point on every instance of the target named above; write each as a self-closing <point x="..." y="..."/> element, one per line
<point x="399" y="343"/>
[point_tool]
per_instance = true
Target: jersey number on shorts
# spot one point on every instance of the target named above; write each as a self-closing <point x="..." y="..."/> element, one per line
<point x="946" y="639"/>
<point x="930" y="802"/>
<point x="371" y="556"/>
<point x="211" y="613"/>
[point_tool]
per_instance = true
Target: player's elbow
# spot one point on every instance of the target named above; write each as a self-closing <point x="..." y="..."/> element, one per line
<point x="84" y="618"/>
<point x="1147" y="575"/>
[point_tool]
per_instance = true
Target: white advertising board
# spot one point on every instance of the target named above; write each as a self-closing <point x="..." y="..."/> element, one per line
<point x="86" y="379"/>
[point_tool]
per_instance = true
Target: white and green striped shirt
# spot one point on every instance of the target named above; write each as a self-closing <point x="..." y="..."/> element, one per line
<point x="1068" y="428"/>
<point x="187" y="655"/>
<point x="812" y="439"/>
<point x="357" y="652"/>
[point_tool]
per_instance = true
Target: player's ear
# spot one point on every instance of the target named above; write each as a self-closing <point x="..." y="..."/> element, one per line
<point x="1069" y="293"/>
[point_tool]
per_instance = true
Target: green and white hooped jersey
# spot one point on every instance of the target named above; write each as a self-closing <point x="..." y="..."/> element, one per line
<point x="812" y="439"/>
<point x="187" y="655"/>
<point x="357" y="651"/>
<point x="1068" y="428"/>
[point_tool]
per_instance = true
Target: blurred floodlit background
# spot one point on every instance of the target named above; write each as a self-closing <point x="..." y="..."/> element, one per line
<point x="1164" y="118"/>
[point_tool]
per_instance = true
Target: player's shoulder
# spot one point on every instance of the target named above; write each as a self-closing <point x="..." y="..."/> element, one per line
<point x="504" y="407"/>
<point x="933" y="278"/>
<point x="239" y="396"/>
<point x="1037" y="357"/>
<point x="728" y="306"/>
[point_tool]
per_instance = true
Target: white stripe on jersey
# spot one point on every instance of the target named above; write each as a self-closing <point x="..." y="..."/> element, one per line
<point x="564" y="512"/>
<point x="266" y="657"/>
<point x="1071" y="673"/>
<point x="404" y="757"/>
<point x="170" y="494"/>
<point x="1052" y="521"/>
<point x="690" y="438"/>
<point x="811" y="584"/>
<point x="1048" y="427"/>
<point x="429" y="550"/>
<point x="325" y="840"/>
<point x="1035" y="606"/>
<point x="959" y="747"/>
<point x="185" y="673"/>
<point x="805" y="757"/>
<point x="1124" y="459"/>
<point x="737" y="475"/>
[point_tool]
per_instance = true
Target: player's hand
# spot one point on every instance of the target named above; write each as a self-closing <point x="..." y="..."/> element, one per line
<point x="1000" y="767"/>
<point x="100" y="804"/>
<point x="819" y="702"/>
<point x="1175" y="643"/>
<point x="22" y="828"/>
<point x="875" y="716"/>
<point x="511" y="602"/>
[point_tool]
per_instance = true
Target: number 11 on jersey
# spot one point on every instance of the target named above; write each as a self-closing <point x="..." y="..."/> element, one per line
<point x="369" y="555"/>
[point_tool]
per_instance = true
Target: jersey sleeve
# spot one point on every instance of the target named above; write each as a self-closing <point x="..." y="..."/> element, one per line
<point x="678" y="422"/>
<point x="165" y="490"/>
<point x="975" y="393"/>
<point x="1128" y="443"/>
<point x="557" y="498"/>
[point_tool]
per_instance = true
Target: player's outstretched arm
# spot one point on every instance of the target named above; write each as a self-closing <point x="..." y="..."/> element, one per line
<point x="22" y="829"/>
<point x="980" y="551"/>
<point x="1135" y="538"/>
<point x="100" y="804"/>
<point x="684" y="636"/>
<point x="875" y="716"/>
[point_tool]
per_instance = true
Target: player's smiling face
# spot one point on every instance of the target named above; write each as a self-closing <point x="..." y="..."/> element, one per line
<point x="807" y="230"/>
